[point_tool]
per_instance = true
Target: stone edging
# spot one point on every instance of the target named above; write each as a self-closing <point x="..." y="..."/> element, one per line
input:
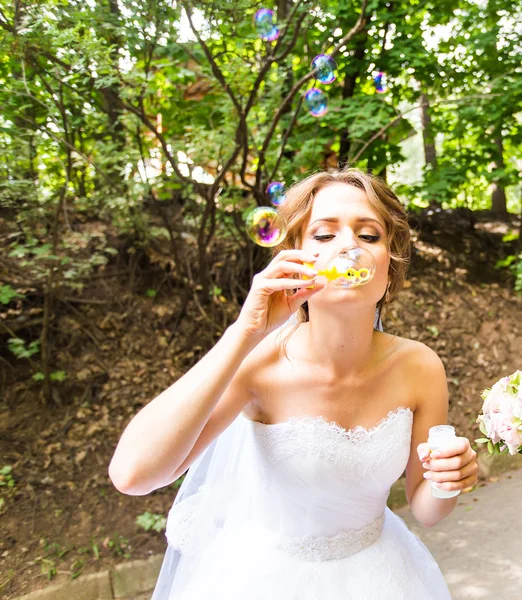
<point x="134" y="580"/>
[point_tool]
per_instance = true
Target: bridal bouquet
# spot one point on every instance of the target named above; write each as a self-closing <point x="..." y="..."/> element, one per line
<point x="501" y="418"/>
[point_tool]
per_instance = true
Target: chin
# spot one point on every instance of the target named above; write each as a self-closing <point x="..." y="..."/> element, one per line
<point x="351" y="297"/>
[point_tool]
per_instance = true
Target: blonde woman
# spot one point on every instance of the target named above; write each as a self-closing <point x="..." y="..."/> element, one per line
<point x="293" y="436"/>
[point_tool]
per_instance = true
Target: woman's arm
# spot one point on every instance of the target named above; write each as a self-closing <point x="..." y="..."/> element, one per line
<point x="169" y="432"/>
<point x="159" y="438"/>
<point x="430" y="385"/>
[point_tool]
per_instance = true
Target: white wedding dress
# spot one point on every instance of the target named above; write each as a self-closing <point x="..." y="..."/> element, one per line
<point x="297" y="511"/>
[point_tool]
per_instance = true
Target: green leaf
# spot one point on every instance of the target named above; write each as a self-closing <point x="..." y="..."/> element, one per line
<point x="511" y="236"/>
<point x="7" y="293"/>
<point x="58" y="376"/>
<point x="433" y="329"/>
<point x="150" y="521"/>
<point x="506" y="262"/>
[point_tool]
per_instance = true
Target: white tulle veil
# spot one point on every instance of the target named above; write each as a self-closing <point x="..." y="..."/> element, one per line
<point x="219" y="492"/>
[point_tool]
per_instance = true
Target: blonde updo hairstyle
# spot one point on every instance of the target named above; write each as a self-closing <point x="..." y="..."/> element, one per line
<point x="297" y="208"/>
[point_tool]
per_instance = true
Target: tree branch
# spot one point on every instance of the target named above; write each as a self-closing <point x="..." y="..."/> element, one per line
<point x="285" y="139"/>
<point x="270" y="59"/>
<point x="65" y="143"/>
<point x="361" y="22"/>
<point x="4" y="22"/>
<point x="218" y="74"/>
<point x="296" y="7"/>
<point x="420" y="105"/>
<point x="201" y="188"/>
<point x="293" y="41"/>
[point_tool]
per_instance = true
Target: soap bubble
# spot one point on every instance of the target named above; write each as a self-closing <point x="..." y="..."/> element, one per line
<point x="265" y="226"/>
<point x="272" y="35"/>
<point x="276" y="193"/>
<point x="265" y="26"/>
<point x="379" y="81"/>
<point x="349" y="269"/>
<point x="316" y="102"/>
<point x="326" y="67"/>
<point x="264" y="20"/>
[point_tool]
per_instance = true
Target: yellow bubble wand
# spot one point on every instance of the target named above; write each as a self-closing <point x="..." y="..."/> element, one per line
<point x="341" y="272"/>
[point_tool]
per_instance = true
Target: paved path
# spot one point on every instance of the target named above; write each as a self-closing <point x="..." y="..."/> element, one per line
<point x="479" y="546"/>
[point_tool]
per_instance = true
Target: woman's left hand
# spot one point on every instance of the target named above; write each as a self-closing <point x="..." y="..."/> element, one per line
<point x="452" y="468"/>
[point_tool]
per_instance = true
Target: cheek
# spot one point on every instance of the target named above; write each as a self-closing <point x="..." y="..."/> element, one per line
<point x="382" y="257"/>
<point x="385" y="265"/>
<point x="382" y="263"/>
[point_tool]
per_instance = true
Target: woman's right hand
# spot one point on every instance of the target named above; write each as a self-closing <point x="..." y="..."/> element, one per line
<point x="267" y="305"/>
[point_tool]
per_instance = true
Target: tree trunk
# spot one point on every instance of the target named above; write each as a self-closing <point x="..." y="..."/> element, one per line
<point x="110" y="97"/>
<point x="284" y="8"/>
<point x="498" y="191"/>
<point x="428" y="138"/>
<point x="352" y="71"/>
<point x="205" y="235"/>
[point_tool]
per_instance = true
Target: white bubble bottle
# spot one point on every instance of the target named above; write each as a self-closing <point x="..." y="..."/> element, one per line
<point x="439" y="437"/>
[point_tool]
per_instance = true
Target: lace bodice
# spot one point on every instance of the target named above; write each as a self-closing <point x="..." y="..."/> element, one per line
<point x="355" y="451"/>
<point x="320" y="489"/>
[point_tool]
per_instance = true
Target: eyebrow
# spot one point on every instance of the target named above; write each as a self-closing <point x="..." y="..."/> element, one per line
<point x="358" y="220"/>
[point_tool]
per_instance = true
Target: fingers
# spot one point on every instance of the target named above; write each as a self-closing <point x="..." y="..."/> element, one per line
<point x="423" y="450"/>
<point x="303" y="294"/>
<point x="451" y="464"/>
<point x="452" y="468"/>
<point x="269" y="286"/>
<point x="459" y="446"/>
<point x="461" y="484"/>
<point x="286" y="267"/>
<point x="457" y="475"/>
<point x="294" y="255"/>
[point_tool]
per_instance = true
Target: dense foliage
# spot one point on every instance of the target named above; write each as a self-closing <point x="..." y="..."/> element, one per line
<point x="167" y="119"/>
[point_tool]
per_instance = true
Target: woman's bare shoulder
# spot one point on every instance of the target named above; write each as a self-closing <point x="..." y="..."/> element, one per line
<point x="411" y="367"/>
<point x="415" y="360"/>
<point x="419" y="366"/>
<point x="420" y="355"/>
<point x="410" y="350"/>
<point x="265" y="355"/>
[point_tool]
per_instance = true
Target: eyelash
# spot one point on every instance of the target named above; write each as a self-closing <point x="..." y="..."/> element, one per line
<point x="324" y="238"/>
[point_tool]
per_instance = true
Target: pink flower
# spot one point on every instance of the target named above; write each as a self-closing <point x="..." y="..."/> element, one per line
<point x="490" y="429"/>
<point x="517" y="404"/>
<point x="497" y="425"/>
<point x="494" y="398"/>
<point x="502" y="412"/>
<point x="511" y="436"/>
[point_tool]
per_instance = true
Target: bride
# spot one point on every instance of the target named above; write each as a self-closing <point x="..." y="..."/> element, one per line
<point x="293" y="436"/>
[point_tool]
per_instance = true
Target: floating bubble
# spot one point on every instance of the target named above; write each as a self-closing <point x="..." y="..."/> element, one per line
<point x="272" y="35"/>
<point x="264" y="20"/>
<point x="265" y="25"/>
<point x="276" y="193"/>
<point x="349" y="269"/>
<point x="379" y="81"/>
<point x="316" y="102"/>
<point x="326" y="67"/>
<point x="265" y="226"/>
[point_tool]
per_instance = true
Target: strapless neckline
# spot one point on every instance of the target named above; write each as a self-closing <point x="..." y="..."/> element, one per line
<point x="320" y="420"/>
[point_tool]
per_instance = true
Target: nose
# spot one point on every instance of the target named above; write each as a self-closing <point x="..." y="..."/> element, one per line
<point x="347" y="239"/>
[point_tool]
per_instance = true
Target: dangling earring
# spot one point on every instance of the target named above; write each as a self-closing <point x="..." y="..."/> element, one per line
<point x="387" y="296"/>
